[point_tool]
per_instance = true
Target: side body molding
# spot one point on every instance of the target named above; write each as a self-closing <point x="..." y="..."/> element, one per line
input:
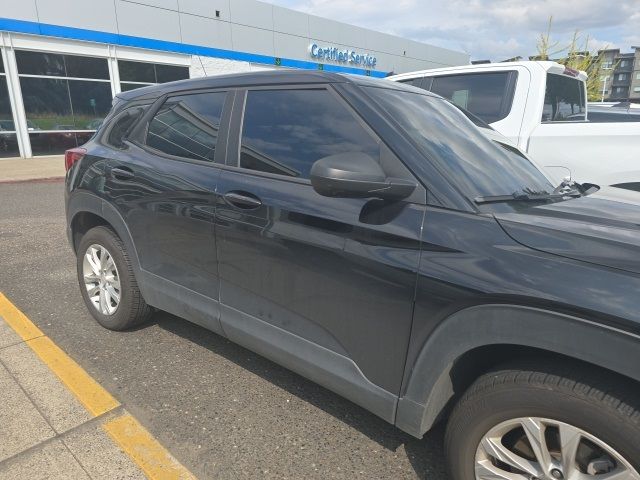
<point x="430" y="387"/>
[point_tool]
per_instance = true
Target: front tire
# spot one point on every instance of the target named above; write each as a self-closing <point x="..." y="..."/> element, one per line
<point x="107" y="283"/>
<point x="546" y="423"/>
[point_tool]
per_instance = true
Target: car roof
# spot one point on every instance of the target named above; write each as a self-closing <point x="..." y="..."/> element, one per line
<point x="262" y="78"/>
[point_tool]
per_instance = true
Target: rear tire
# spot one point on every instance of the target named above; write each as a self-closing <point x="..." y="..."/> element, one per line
<point x="552" y="399"/>
<point x="109" y="270"/>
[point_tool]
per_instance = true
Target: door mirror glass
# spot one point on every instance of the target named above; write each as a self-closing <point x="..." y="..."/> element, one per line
<point x="356" y="175"/>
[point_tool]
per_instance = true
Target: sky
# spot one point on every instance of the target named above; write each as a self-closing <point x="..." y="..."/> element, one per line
<point x="488" y="29"/>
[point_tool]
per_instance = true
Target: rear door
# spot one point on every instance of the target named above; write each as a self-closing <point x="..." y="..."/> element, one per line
<point x="338" y="274"/>
<point x="163" y="184"/>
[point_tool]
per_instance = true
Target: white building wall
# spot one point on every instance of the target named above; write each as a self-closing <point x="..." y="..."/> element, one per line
<point x="247" y="26"/>
<point x="211" y="37"/>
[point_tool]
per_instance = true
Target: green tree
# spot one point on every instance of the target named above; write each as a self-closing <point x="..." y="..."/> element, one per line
<point x="577" y="54"/>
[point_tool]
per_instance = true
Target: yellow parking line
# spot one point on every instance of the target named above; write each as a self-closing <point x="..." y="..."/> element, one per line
<point x="18" y="320"/>
<point x="152" y="458"/>
<point x="89" y="392"/>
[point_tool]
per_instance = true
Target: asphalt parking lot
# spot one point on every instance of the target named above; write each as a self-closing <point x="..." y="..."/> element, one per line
<point x="221" y="410"/>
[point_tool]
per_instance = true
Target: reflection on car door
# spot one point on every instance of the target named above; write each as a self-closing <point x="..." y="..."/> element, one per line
<point x="339" y="273"/>
<point x="164" y="190"/>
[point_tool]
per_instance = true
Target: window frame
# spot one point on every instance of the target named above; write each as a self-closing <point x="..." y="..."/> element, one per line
<point x="237" y="123"/>
<point x="138" y="135"/>
<point x="507" y="98"/>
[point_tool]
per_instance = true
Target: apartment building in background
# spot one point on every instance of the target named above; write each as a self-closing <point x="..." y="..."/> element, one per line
<point x="620" y="75"/>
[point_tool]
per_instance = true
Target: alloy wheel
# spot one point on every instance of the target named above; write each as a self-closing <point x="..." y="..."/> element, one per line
<point x="534" y="448"/>
<point x="101" y="279"/>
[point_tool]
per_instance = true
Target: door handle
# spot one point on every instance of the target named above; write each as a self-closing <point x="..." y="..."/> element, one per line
<point x="122" y="173"/>
<point x="243" y="200"/>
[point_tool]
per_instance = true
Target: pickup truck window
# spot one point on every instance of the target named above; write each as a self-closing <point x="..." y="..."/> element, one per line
<point x="475" y="164"/>
<point x="416" y="82"/>
<point x="563" y="99"/>
<point x="486" y="95"/>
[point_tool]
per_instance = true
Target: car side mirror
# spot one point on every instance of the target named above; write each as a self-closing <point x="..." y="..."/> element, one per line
<point x="356" y="175"/>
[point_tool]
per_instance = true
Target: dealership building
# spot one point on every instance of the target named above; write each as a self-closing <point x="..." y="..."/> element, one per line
<point x="64" y="60"/>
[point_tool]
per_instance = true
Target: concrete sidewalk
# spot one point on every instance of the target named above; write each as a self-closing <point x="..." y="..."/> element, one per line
<point x="56" y="422"/>
<point x="37" y="168"/>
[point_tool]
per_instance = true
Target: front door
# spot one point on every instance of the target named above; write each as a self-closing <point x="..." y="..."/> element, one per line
<point x="339" y="273"/>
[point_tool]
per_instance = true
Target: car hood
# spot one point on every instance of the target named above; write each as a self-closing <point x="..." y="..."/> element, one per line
<point x="601" y="228"/>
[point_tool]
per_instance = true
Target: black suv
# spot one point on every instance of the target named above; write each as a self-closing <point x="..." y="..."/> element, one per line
<point x="366" y="235"/>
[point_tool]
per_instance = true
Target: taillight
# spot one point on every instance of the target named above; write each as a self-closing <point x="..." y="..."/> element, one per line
<point x="72" y="155"/>
<point x="571" y="72"/>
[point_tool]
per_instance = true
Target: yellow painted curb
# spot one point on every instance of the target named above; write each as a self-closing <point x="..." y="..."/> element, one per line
<point x="152" y="458"/>
<point x="18" y="320"/>
<point x="145" y="451"/>
<point x="89" y="392"/>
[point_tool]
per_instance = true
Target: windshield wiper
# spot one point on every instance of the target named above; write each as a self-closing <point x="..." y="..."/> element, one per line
<point x="523" y="197"/>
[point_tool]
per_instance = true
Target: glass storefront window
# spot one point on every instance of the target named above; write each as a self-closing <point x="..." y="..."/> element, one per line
<point x="55" y="143"/>
<point x="6" y="117"/>
<point x="47" y="103"/>
<point x="125" y="87"/>
<point x="66" y="97"/>
<point x="90" y="103"/>
<point x="150" y="73"/>
<point x="36" y="63"/>
<point x="136" y="71"/>
<point x="86" y="67"/>
<point x="56" y="104"/>
<point x="65" y="104"/>
<point x="57" y="65"/>
<point x="9" y="145"/>
<point x="8" y="137"/>
<point x="170" y="73"/>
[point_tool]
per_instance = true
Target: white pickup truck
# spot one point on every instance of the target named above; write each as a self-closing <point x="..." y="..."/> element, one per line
<point x="541" y="108"/>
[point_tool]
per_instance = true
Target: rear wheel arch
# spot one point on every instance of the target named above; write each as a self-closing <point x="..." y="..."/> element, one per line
<point x="86" y="210"/>
<point x="477" y="339"/>
<point x="84" y="221"/>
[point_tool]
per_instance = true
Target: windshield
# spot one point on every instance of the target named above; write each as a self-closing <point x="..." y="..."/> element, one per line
<point x="472" y="162"/>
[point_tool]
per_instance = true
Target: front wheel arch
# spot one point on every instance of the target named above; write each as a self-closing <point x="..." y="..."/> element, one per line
<point x="474" y="340"/>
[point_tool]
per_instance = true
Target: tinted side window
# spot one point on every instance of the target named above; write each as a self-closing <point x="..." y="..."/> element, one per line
<point x="187" y="125"/>
<point x="123" y="125"/>
<point x="286" y="131"/>
<point x="486" y="95"/>
<point x="563" y="99"/>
